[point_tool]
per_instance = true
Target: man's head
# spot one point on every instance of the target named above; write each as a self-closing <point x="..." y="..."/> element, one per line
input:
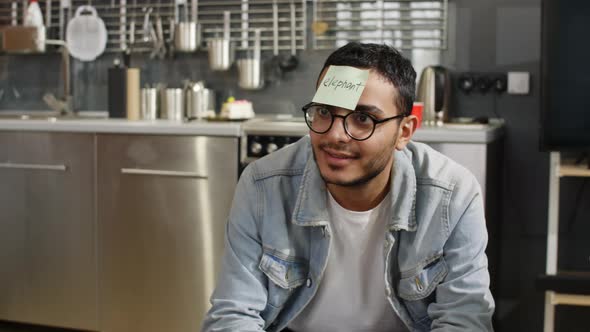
<point x="346" y="161"/>
<point x="384" y="60"/>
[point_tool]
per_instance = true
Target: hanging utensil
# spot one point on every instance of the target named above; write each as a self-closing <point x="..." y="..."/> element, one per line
<point x="157" y="35"/>
<point x="146" y="25"/>
<point x="290" y="62"/>
<point x="273" y="67"/>
<point x="172" y="32"/>
<point x="195" y="19"/>
<point x="131" y="26"/>
<point x="48" y="6"/>
<point x="64" y="7"/>
<point x="14" y="13"/>
<point x="86" y="34"/>
<point x="319" y="26"/>
<point x="161" y="40"/>
<point x="187" y="37"/>
<point x="250" y="69"/>
<point x="221" y="51"/>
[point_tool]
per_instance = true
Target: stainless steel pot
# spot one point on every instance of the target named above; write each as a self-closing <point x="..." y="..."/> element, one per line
<point x="250" y="69"/>
<point x="251" y="77"/>
<point x="221" y="50"/>
<point x="187" y="36"/>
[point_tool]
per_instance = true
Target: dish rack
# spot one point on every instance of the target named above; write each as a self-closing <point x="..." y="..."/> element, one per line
<point x="406" y="24"/>
<point x="118" y="15"/>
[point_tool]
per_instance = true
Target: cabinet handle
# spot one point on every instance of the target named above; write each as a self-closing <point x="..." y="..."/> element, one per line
<point x="139" y="171"/>
<point x="41" y="167"/>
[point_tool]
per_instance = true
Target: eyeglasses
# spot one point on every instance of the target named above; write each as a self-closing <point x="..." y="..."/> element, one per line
<point x="358" y="125"/>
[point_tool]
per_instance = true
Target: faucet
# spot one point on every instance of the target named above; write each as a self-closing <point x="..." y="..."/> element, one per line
<point x="63" y="106"/>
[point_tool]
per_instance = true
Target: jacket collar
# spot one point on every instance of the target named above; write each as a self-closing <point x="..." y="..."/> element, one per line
<point x="310" y="206"/>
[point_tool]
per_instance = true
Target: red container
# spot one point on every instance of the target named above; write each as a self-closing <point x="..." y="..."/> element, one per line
<point x="417" y="109"/>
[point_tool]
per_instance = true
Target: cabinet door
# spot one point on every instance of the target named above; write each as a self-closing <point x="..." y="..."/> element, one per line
<point x="12" y="231"/>
<point x="60" y="236"/>
<point x="163" y="202"/>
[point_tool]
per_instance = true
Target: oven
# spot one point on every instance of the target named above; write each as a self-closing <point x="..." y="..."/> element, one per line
<point x="264" y="135"/>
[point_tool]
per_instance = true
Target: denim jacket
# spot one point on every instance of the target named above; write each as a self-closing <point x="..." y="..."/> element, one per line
<point x="278" y="240"/>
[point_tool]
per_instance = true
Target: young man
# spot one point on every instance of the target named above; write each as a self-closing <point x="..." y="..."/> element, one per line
<point x="355" y="227"/>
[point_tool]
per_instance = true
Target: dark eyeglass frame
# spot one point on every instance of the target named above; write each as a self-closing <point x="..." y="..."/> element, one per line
<point x="334" y="116"/>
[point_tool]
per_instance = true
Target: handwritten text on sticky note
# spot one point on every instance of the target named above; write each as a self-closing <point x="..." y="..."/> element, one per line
<point x="341" y="86"/>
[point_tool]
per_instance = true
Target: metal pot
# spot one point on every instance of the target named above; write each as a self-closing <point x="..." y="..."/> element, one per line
<point x="187" y="36"/>
<point x="250" y="69"/>
<point x="221" y="54"/>
<point x="221" y="50"/>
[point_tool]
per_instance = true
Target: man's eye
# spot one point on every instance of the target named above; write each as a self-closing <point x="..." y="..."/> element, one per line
<point x="323" y="112"/>
<point x="361" y="118"/>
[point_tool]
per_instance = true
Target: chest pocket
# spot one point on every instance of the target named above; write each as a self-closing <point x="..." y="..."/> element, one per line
<point x="285" y="273"/>
<point x="417" y="291"/>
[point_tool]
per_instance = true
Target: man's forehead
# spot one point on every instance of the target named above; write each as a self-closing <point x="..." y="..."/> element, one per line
<point x="341" y="86"/>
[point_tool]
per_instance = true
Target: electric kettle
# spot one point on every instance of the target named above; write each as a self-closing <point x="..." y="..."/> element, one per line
<point x="434" y="89"/>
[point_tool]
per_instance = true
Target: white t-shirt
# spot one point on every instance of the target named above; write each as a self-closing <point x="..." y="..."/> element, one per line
<point x="351" y="296"/>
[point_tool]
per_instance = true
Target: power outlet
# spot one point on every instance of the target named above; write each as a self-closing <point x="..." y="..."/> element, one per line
<point x="482" y="83"/>
<point x="518" y="83"/>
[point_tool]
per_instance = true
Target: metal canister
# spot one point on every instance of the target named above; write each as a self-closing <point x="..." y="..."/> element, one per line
<point x="172" y="104"/>
<point x="200" y="103"/>
<point x="149" y="104"/>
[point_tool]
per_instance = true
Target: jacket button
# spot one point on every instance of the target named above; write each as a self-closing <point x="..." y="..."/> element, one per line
<point x="308" y="282"/>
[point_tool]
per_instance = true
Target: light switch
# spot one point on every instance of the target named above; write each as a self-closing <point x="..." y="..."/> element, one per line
<point x="518" y="83"/>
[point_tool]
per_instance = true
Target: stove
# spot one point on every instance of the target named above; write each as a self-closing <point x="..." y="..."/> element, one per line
<point x="266" y="134"/>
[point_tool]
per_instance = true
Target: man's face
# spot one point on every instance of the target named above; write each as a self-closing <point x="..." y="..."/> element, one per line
<point x="344" y="161"/>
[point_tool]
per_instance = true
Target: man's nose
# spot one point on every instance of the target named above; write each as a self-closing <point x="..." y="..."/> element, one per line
<point x="338" y="132"/>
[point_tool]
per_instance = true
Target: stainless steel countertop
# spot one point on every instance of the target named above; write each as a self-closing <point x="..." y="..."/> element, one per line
<point x="96" y="122"/>
<point x="461" y="132"/>
<point x="123" y="126"/>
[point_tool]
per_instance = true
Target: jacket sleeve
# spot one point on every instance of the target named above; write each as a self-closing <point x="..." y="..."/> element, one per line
<point x="241" y="294"/>
<point x="463" y="299"/>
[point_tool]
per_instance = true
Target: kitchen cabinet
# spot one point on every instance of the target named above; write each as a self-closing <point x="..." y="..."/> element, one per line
<point x="48" y="231"/>
<point x="12" y="232"/>
<point x="163" y="203"/>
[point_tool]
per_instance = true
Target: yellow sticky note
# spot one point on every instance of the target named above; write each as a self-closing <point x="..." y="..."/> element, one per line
<point x="342" y="86"/>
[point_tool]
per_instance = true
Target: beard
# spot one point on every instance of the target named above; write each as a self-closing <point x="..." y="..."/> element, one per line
<point x="369" y="170"/>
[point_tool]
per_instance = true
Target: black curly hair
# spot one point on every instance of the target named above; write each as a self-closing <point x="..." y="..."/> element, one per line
<point x="385" y="60"/>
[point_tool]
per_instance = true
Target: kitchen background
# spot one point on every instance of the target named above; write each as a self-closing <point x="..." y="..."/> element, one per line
<point x="485" y="36"/>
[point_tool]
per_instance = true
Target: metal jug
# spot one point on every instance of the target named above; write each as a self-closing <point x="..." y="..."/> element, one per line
<point x="200" y="101"/>
<point x="434" y="90"/>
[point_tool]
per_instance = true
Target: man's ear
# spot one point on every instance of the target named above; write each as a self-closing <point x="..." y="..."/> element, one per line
<point x="406" y="130"/>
